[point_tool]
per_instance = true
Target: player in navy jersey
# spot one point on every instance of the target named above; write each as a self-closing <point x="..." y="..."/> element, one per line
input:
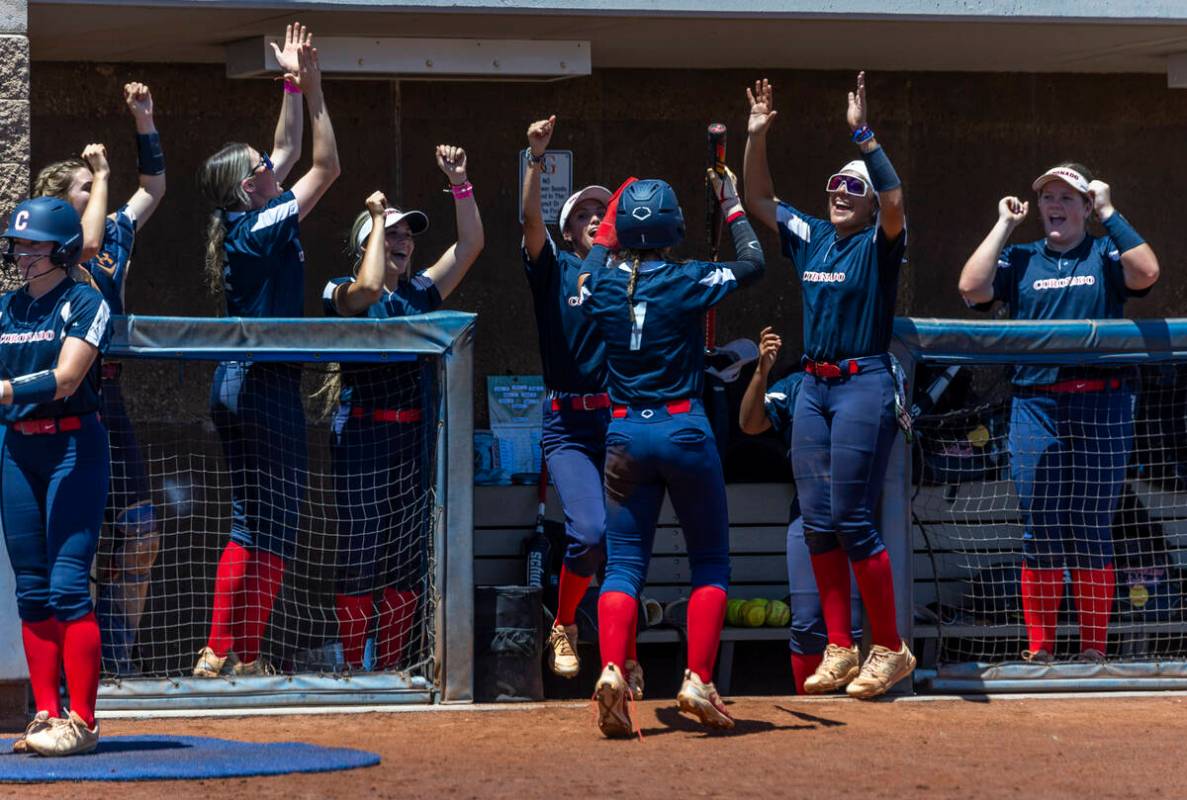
<point x="577" y="408"/>
<point x="764" y="409"/>
<point x="131" y="547"/>
<point x="254" y="257"/>
<point x="380" y="444"/>
<point x="1071" y="428"/>
<point x="845" y="422"/>
<point x="53" y="467"/>
<point x="649" y="311"/>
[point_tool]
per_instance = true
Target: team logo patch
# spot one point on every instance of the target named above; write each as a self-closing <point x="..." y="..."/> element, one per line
<point x="641" y="213"/>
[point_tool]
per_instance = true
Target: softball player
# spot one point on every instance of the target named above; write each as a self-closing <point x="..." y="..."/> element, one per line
<point x="53" y="467"/>
<point x="1071" y="428"/>
<point x="254" y="255"/>
<point x="763" y="409"/>
<point x="380" y="443"/>
<point x="845" y="421"/>
<point x="107" y="249"/>
<point x="577" y="408"/>
<point x="649" y="311"/>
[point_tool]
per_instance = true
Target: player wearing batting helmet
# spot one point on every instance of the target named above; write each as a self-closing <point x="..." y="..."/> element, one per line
<point x="649" y="310"/>
<point x="380" y="445"/>
<point x="53" y="467"/>
<point x="1071" y="428"/>
<point x="254" y="255"/>
<point x="845" y="420"/>
<point x="126" y="560"/>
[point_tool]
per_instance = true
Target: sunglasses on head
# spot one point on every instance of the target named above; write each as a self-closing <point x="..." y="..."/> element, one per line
<point x="263" y="163"/>
<point x="853" y="185"/>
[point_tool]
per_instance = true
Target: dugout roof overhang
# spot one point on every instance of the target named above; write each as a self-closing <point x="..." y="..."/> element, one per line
<point x="986" y="35"/>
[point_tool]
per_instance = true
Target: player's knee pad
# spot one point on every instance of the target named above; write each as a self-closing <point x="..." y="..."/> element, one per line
<point x="820" y="542"/>
<point x="584" y="559"/>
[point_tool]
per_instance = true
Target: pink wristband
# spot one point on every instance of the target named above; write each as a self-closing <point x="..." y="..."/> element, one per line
<point x="462" y="190"/>
<point x="291" y="88"/>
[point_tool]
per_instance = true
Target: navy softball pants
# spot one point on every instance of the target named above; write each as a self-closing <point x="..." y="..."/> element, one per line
<point x="648" y="451"/>
<point x="574" y="445"/>
<point x="809" y="636"/>
<point x="53" y="489"/>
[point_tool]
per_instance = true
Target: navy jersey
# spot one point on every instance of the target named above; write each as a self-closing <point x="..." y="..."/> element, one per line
<point x="1037" y="283"/>
<point x="264" y="273"/>
<point x="110" y="266"/>
<point x="848" y="285"/>
<point x="779" y="403"/>
<point x="571" y="353"/>
<point x="393" y="386"/>
<point x="31" y="336"/>
<point x="655" y="345"/>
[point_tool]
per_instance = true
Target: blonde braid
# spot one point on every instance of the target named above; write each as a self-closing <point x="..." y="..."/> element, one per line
<point x="630" y="286"/>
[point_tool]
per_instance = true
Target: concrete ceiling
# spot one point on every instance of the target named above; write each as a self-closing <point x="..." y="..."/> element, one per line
<point x="197" y="31"/>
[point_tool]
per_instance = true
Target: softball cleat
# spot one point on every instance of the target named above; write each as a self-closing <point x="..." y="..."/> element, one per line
<point x="210" y="665"/>
<point x="634" y="678"/>
<point x="39" y="722"/>
<point x="64" y="736"/>
<point x="612" y="694"/>
<point x="247" y="669"/>
<point x="883" y="668"/>
<point x="703" y="702"/>
<point x="562" y="651"/>
<point x="839" y="666"/>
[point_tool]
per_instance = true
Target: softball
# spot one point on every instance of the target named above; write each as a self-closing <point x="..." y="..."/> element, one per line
<point x="754" y="613"/>
<point x="778" y="614"/>
<point x="733" y="613"/>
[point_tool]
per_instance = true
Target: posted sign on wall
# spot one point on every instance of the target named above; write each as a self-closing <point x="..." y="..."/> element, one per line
<point x="556" y="182"/>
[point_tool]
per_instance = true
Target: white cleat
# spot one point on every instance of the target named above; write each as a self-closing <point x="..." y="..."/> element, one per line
<point x="702" y="701"/>
<point x="562" y="651"/>
<point x="64" y="736"/>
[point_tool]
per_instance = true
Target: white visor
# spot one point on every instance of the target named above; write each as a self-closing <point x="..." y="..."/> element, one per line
<point x="599" y="193"/>
<point x="418" y="223"/>
<point x="858" y="167"/>
<point x="1066" y="174"/>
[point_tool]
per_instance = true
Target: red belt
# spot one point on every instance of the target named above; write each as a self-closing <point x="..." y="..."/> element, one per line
<point x="1078" y="386"/>
<point x="387" y="414"/>
<point x="581" y="402"/>
<point x="112" y="370"/>
<point x="35" y="427"/>
<point x="674" y="407"/>
<point x="827" y="369"/>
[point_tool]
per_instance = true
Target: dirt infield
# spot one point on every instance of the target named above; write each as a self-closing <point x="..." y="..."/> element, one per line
<point x="1095" y="747"/>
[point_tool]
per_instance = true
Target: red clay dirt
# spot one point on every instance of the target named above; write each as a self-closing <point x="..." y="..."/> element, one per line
<point x="1097" y="747"/>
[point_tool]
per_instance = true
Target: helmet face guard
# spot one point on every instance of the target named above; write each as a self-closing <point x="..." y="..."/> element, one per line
<point x="46" y="219"/>
<point x="649" y="217"/>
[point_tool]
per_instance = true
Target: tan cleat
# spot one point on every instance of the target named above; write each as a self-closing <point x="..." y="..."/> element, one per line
<point x="562" y="651"/>
<point x="839" y="666"/>
<point x="39" y="722"/>
<point x="210" y="665"/>
<point x="261" y="666"/>
<point x="702" y="701"/>
<point x="883" y="669"/>
<point x="66" y="736"/>
<point x="634" y="678"/>
<point x="612" y="693"/>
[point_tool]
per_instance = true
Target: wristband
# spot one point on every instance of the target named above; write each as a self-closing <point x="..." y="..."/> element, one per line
<point x="882" y="174"/>
<point x="290" y="87"/>
<point x="150" y="158"/>
<point x="862" y="134"/>
<point x="1122" y="233"/>
<point x="461" y="190"/>
<point x="34" y="388"/>
<point x="733" y="212"/>
<point x="533" y="158"/>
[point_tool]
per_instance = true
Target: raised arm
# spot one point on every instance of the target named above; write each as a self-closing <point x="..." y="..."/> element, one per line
<point x="1138" y="261"/>
<point x="750" y="263"/>
<point x="752" y="418"/>
<point x="535" y="230"/>
<point x="325" y="169"/>
<point x="94" y="216"/>
<point x="760" y="189"/>
<point x="150" y="159"/>
<point x="286" y="142"/>
<point x="354" y="298"/>
<point x="453" y="265"/>
<point x="976" y="278"/>
<point x="886" y="183"/>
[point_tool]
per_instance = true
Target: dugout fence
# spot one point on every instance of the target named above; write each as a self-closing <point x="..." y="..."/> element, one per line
<point x="1096" y="481"/>
<point x="386" y="511"/>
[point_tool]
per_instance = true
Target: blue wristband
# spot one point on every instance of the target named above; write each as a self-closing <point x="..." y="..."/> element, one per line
<point x="150" y="157"/>
<point x="1122" y="233"/>
<point x="882" y="173"/>
<point x="34" y="388"/>
<point x="862" y="134"/>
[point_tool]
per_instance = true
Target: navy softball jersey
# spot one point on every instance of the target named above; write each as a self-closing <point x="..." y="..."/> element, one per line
<point x="109" y="267"/>
<point x="264" y="274"/>
<point x="848" y="284"/>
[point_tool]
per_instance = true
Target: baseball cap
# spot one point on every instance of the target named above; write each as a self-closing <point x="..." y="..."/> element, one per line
<point x="1066" y="174"/>
<point x="418" y="222"/>
<point x="599" y="193"/>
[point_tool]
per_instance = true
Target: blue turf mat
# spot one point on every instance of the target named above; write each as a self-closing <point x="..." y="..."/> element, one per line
<point x="152" y="757"/>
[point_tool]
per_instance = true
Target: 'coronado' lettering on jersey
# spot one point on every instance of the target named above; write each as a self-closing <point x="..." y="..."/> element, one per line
<point x="812" y="276"/>
<point x="26" y="336"/>
<point x="1063" y="283"/>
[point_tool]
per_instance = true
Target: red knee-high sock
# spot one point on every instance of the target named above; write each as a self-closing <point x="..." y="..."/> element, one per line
<point x="618" y="616"/>
<point x="706" y="615"/>
<point x="264" y="577"/>
<point x="1094" y="602"/>
<point x="226" y="618"/>
<point x="1042" y="592"/>
<point x="355" y="612"/>
<point x="876" y="584"/>
<point x="832" y="582"/>
<point x="80" y="656"/>
<point x="802" y="666"/>
<point x="569" y="594"/>
<point x="43" y="653"/>
<point x="397" y="614"/>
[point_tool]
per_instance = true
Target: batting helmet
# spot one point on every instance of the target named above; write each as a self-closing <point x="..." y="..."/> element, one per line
<point x="649" y="216"/>
<point x="47" y="219"/>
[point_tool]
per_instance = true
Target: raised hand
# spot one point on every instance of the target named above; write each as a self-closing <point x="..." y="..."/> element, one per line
<point x="138" y="98"/>
<point x="1102" y="201"/>
<point x="856" y="114"/>
<point x="376" y="204"/>
<point x="762" y="107"/>
<point x="96" y="157"/>
<point x="451" y="159"/>
<point x="769" y="344"/>
<point x="295" y="37"/>
<point x="540" y="134"/>
<point x="1011" y="210"/>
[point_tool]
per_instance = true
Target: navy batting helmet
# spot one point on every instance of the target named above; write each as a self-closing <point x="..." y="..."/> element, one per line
<point x="649" y="216"/>
<point x="47" y="219"/>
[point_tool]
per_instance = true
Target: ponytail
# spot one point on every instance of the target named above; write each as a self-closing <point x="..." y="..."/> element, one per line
<point x="630" y="285"/>
<point x="220" y="180"/>
<point x="216" y="237"/>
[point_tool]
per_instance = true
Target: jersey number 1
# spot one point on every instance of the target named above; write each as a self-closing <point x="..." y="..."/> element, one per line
<point x="638" y="314"/>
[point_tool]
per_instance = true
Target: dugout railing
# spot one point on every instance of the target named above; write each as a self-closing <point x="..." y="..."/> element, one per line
<point x="952" y="517"/>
